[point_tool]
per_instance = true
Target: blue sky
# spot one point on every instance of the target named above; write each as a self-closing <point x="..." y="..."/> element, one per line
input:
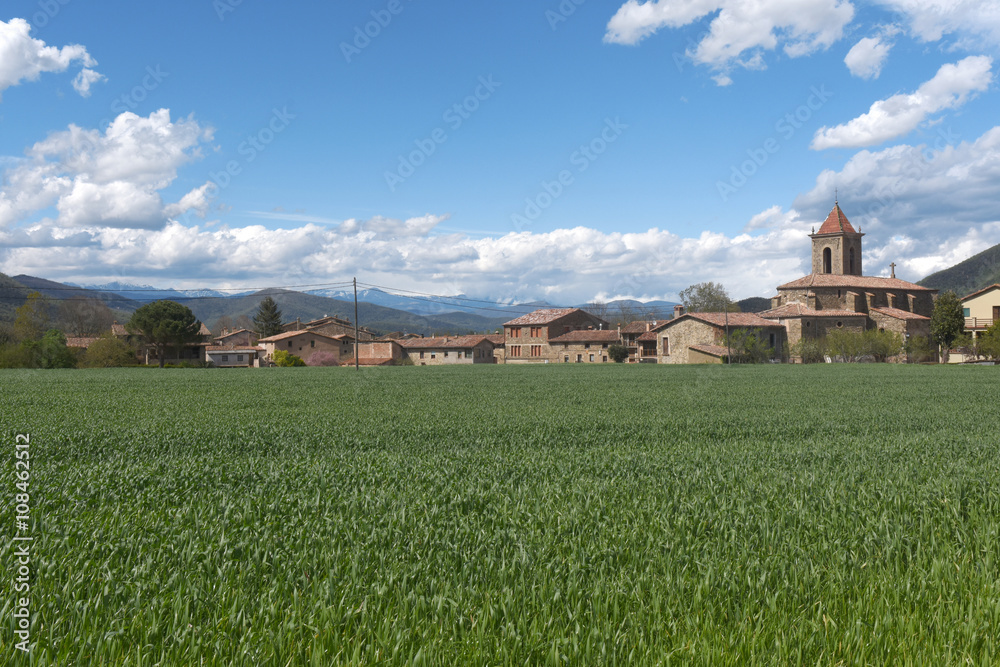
<point x="508" y="150"/>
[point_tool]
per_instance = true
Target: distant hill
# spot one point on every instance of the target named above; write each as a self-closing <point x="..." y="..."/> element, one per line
<point x="12" y="295"/>
<point x="146" y="293"/>
<point x="754" y="304"/>
<point x="311" y="306"/>
<point x="966" y="277"/>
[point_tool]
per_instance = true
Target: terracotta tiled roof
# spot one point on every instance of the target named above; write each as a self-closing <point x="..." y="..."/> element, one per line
<point x="636" y="327"/>
<point x="543" y="316"/>
<point x="793" y="310"/>
<point x="900" y="314"/>
<point x="82" y="342"/>
<point x="204" y="330"/>
<point x="292" y="334"/>
<point x="862" y="282"/>
<point x="449" y="342"/>
<point x="713" y="350"/>
<point x="588" y="336"/>
<point x="497" y="339"/>
<point x="235" y="333"/>
<point x="982" y="291"/>
<point x="836" y="223"/>
<point x="647" y="336"/>
<point x="734" y="319"/>
<point x="249" y="349"/>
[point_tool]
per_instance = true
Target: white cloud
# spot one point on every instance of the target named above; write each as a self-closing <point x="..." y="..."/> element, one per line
<point x="85" y="79"/>
<point x="900" y="114"/>
<point x="866" y="58"/>
<point x="110" y="179"/>
<point x="971" y="20"/>
<point x="742" y="29"/>
<point x="23" y="58"/>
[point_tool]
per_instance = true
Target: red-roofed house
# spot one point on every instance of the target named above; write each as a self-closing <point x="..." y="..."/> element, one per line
<point x="527" y="338"/>
<point x="449" y="350"/>
<point x="304" y="343"/>
<point x="584" y="346"/>
<point x="699" y="338"/>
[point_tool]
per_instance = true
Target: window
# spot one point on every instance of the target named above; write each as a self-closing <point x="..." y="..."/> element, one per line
<point x="591" y="357"/>
<point x="468" y="354"/>
<point x="536" y="332"/>
<point x="312" y="343"/>
<point x="446" y="354"/>
<point x="565" y="358"/>
<point x="586" y="346"/>
<point x="421" y="354"/>
<point x="225" y="357"/>
<point x="239" y="357"/>
<point x="840" y="325"/>
<point x="515" y="350"/>
<point x="579" y="358"/>
<point x="604" y="360"/>
<point x="536" y="350"/>
<point x="289" y="345"/>
<point x="604" y="347"/>
<point x="515" y="332"/>
<point x="827" y="260"/>
<point x="966" y="312"/>
<point x="666" y="346"/>
<point x="433" y="355"/>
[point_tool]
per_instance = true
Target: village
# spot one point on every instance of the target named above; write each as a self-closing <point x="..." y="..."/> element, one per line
<point x="835" y="297"/>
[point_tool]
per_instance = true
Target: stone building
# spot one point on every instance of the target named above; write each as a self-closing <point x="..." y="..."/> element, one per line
<point x="528" y="339"/>
<point x="699" y="338"/>
<point x="304" y="343"/>
<point x="449" y="350"/>
<point x="836" y="295"/>
<point x="584" y="346"/>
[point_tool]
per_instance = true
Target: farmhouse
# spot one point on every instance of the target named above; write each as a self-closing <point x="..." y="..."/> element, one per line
<point x="224" y="356"/>
<point x="699" y="338"/>
<point x="836" y="295"/>
<point x="306" y="342"/>
<point x="528" y="339"/>
<point x="448" y="350"/>
<point x="585" y="346"/>
<point x="981" y="309"/>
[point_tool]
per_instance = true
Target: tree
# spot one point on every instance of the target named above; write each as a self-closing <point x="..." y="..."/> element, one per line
<point x="947" y="321"/>
<point x="988" y="342"/>
<point x="243" y="322"/>
<point x="163" y="324"/>
<point x="747" y="346"/>
<point x="51" y="351"/>
<point x="222" y="324"/>
<point x="598" y="309"/>
<point x="919" y="349"/>
<point x="267" y="320"/>
<point x="32" y="318"/>
<point x="882" y="345"/>
<point x="108" y="352"/>
<point x="618" y="353"/>
<point x="286" y="359"/>
<point x="85" y="316"/>
<point x="707" y="298"/>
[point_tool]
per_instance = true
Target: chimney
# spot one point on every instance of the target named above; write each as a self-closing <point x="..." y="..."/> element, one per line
<point x="678" y="311"/>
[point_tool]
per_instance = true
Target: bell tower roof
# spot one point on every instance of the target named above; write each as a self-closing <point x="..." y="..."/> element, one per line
<point x="836" y="223"/>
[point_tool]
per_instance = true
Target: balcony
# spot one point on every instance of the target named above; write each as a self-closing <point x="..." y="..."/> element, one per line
<point x="978" y="323"/>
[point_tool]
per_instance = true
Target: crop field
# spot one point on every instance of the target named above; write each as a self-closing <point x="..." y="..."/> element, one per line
<point x="508" y="515"/>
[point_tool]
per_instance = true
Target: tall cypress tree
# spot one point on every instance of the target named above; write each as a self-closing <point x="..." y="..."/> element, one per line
<point x="267" y="320"/>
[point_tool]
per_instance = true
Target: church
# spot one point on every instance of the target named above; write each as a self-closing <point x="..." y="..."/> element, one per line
<point x="837" y="294"/>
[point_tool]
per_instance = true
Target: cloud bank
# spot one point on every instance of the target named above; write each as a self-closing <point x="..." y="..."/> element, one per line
<point x="23" y="58"/>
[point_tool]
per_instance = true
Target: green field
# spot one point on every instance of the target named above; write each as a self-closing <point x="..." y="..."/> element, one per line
<point x="509" y="515"/>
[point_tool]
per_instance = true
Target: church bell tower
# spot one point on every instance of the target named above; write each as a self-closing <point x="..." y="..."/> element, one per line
<point x="836" y="247"/>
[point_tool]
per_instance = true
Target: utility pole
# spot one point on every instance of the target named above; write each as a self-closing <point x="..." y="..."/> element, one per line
<point x="357" y="363"/>
<point x="729" y="347"/>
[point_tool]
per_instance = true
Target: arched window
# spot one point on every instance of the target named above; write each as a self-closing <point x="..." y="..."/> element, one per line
<point x="851" y="260"/>
<point x="827" y="260"/>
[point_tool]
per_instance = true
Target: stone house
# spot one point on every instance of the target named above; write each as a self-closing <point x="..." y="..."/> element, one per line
<point x="587" y="346"/>
<point x="527" y="338"/>
<point x="376" y="353"/>
<point x="305" y="343"/>
<point x="836" y="295"/>
<point x="226" y="356"/>
<point x="240" y="337"/>
<point x="449" y="350"/>
<point x="640" y="340"/>
<point x="699" y="338"/>
<point x="331" y="325"/>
